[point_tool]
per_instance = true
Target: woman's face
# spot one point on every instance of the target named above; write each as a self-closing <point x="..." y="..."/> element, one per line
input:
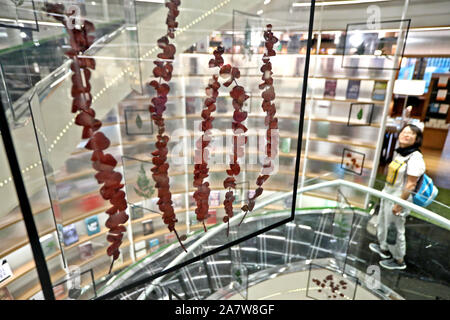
<point x="407" y="137"/>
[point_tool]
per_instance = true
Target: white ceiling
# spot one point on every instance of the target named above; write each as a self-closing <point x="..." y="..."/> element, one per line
<point x="423" y="13"/>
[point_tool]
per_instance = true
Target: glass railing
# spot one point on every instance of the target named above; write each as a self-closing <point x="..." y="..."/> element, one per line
<point x="334" y="238"/>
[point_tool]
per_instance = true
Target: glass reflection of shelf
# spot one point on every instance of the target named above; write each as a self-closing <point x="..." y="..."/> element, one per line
<point x="55" y="277"/>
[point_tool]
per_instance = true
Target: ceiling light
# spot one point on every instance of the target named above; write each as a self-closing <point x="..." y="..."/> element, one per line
<point x="260" y="12"/>
<point x="336" y="3"/>
<point x="266" y="1"/>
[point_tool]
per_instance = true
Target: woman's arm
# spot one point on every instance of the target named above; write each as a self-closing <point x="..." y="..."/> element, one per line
<point x="411" y="183"/>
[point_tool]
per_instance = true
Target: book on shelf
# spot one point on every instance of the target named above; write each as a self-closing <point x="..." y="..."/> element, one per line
<point x="299" y="65"/>
<point x="212" y="217"/>
<point x="70" y="234"/>
<point x="153" y="244"/>
<point x="202" y="45"/>
<point x="5" y="294"/>
<point x="148" y="227"/>
<point x="329" y="64"/>
<point x="92" y="225"/>
<point x="443" y="108"/>
<point x="442" y="82"/>
<point x="434" y="107"/>
<point x="221" y="105"/>
<point x="353" y="89"/>
<point x="297" y="107"/>
<point x="169" y="237"/>
<point x="5" y="270"/>
<point x="406" y="72"/>
<point x="214" y="197"/>
<point x="86" y="250"/>
<point x="193" y="65"/>
<point x="377" y="64"/>
<point x="286" y="145"/>
<point x="352" y="64"/>
<point x="92" y="202"/>
<point x="441" y="95"/>
<point x="379" y="90"/>
<point x="140" y="249"/>
<point x="330" y="88"/>
<point x="48" y="244"/>
<point x="137" y="212"/>
<point x="190" y="105"/>
<point x="192" y="218"/>
<point x="322" y="128"/>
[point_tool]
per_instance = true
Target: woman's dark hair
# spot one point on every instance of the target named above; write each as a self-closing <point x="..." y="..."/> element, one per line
<point x="417" y="131"/>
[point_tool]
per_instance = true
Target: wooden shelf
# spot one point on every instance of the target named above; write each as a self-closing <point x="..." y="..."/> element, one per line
<point x="74" y="216"/>
<point x="335" y="159"/>
<point x="344" y="141"/>
<point x="101" y="273"/>
<point x="15" y="244"/>
<point x="286" y="77"/>
<point x="60" y="274"/>
<point x="340" y="120"/>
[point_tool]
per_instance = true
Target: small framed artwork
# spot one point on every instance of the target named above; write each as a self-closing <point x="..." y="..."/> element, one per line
<point x="325" y="283"/>
<point x="360" y="114"/>
<point x="353" y="161"/>
<point x="138" y="122"/>
<point x="364" y="40"/>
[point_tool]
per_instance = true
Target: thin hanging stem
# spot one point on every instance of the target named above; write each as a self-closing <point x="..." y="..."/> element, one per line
<point x="179" y="240"/>
<point x="111" y="266"/>
<point x="243" y="218"/>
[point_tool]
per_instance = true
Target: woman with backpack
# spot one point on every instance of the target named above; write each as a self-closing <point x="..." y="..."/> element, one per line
<point x="403" y="174"/>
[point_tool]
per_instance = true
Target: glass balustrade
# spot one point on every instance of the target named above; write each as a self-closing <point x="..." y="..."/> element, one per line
<point x="334" y="237"/>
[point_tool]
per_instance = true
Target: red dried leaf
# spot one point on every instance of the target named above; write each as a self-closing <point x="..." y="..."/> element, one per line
<point x="225" y="71"/>
<point x="98" y="142"/>
<point x="239" y="116"/>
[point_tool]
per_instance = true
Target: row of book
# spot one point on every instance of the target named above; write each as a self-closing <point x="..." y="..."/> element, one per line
<point x="353" y="87"/>
<point x="194" y="104"/>
<point x="441" y="108"/>
<point x="69" y="235"/>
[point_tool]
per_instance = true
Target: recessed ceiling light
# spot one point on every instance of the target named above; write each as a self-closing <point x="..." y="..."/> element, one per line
<point x="260" y="12"/>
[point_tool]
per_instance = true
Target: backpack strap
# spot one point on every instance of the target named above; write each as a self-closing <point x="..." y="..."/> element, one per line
<point x="420" y="180"/>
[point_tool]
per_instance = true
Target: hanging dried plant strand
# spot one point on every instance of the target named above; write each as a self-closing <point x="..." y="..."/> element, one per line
<point x="201" y="170"/>
<point x="104" y="164"/>
<point x="163" y="71"/>
<point x="270" y="120"/>
<point x="239" y="140"/>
